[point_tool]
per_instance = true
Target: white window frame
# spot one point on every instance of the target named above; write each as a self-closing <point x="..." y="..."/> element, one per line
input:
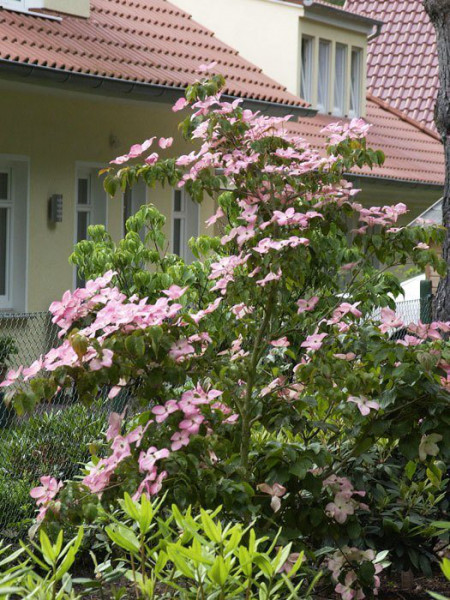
<point x="187" y="222"/>
<point x="87" y="171"/>
<point x="8" y="204"/>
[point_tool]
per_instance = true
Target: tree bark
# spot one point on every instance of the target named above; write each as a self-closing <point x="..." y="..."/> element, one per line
<point x="439" y="13"/>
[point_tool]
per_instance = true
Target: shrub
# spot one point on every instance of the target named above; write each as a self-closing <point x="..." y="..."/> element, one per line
<point x="266" y="383"/>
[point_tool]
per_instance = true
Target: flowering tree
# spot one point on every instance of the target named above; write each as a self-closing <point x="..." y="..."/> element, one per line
<point x="267" y="373"/>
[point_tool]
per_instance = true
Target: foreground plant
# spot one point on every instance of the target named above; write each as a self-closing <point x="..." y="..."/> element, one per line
<point x="265" y="381"/>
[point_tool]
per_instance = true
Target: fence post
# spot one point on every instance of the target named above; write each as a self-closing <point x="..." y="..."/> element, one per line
<point x="426" y="301"/>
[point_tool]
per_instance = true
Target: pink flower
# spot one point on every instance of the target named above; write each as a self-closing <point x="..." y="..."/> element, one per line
<point x="389" y="320"/>
<point x="180" y="439"/>
<point x="218" y="215"/>
<point x="349" y="356"/>
<point x="192" y="424"/>
<point x="147" y="460"/>
<point x="281" y="343"/>
<point x="11" y="377"/>
<point x="290" y="562"/>
<point x="270" y="277"/>
<point x="47" y="491"/>
<point x="180" y="104"/>
<point x="341" y="508"/>
<point x="314" y="342"/>
<point x="152" y="159"/>
<point x="175" y="292"/>
<point x="364" y="404"/>
<point x="207" y="67"/>
<point x="151" y="485"/>
<point x="104" y="362"/>
<point x="163" y="412"/>
<point x="165" y="143"/>
<point x="180" y="350"/>
<point x="115" y="426"/>
<point x="422" y="246"/>
<point x="33" y="370"/>
<point x="276" y="491"/>
<point x="307" y="305"/>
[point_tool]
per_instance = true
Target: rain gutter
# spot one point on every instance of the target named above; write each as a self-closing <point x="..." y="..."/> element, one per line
<point x="124" y="88"/>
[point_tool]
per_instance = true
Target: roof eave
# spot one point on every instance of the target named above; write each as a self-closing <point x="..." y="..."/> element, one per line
<point x="136" y="90"/>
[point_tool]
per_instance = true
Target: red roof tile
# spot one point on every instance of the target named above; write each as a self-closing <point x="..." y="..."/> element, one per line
<point x="136" y="40"/>
<point x="413" y="152"/>
<point x="402" y="61"/>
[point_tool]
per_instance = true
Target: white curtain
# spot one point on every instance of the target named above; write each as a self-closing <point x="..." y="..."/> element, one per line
<point x="324" y="76"/>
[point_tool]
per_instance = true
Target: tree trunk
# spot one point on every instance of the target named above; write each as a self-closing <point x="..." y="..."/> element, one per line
<point x="439" y="13"/>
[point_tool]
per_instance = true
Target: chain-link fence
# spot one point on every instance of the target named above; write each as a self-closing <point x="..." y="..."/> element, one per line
<point x="54" y="439"/>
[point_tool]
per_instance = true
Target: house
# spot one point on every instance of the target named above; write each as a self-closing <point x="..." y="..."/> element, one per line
<point x="78" y="87"/>
<point x="81" y="80"/>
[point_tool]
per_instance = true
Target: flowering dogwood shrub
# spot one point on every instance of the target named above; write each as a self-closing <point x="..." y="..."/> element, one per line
<point x="264" y="380"/>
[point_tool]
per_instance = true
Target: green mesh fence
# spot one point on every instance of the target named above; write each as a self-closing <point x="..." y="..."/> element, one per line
<point x="54" y="439"/>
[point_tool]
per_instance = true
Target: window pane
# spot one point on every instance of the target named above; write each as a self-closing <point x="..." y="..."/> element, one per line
<point x="3" y="250"/>
<point x="324" y="76"/>
<point x="340" y="76"/>
<point x="178" y="201"/>
<point x="356" y="77"/>
<point x="177" y="236"/>
<point x="83" y="191"/>
<point x="306" y="74"/>
<point x="82" y="225"/>
<point x="3" y="186"/>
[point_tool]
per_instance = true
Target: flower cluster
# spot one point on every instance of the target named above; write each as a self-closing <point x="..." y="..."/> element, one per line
<point x="344" y="504"/>
<point x="45" y="494"/>
<point x="344" y="566"/>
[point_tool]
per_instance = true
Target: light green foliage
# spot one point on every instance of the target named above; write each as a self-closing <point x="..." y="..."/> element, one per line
<point x="190" y="557"/>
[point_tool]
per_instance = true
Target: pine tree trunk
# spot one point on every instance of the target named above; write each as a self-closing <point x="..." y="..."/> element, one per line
<point x="439" y="13"/>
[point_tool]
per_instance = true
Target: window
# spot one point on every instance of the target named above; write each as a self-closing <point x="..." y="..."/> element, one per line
<point x="5" y="237"/>
<point x="307" y="68"/>
<point x="13" y="232"/>
<point x="340" y="80"/>
<point x="184" y="224"/>
<point x="355" y="83"/>
<point x="133" y="199"/>
<point x="323" y="89"/>
<point x="13" y="4"/>
<point x="90" y="206"/>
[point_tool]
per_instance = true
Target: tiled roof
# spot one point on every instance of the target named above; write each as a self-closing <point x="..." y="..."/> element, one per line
<point x="402" y="61"/>
<point x="413" y="153"/>
<point x="134" y="40"/>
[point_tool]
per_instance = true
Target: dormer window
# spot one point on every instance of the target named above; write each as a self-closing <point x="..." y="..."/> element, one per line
<point x="13" y="4"/>
<point x="77" y="8"/>
<point x="332" y="76"/>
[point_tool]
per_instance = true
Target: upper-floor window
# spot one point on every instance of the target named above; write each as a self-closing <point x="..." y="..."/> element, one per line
<point x="13" y="4"/>
<point x="332" y="76"/>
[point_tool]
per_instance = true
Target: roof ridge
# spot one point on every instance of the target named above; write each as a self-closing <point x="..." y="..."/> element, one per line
<point x="403" y="116"/>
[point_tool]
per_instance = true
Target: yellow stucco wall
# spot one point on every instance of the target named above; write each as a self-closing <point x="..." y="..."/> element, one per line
<point x="55" y="131"/>
<point x="263" y="31"/>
